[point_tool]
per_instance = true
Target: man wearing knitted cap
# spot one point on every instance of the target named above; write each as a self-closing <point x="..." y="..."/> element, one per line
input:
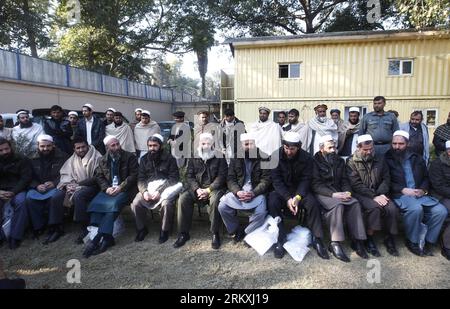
<point x="291" y="182"/>
<point x="142" y="131"/>
<point x="248" y="183"/>
<point x="440" y="188"/>
<point x="317" y="127"/>
<point x="91" y="128"/>
<point x="370" y="180"/>
<point x="116" y="177"/>
<point x="25" y="134"/>
<point x="157" y="164"/>
<point x="44" y="201"/>
<point x="333" y="191"/>
<point x="206" y="179"/>
<point x="122" y="132"/>
<point x="267" y="133"/>
<point x="348" y="136"/>
<point x="422" y="213"/>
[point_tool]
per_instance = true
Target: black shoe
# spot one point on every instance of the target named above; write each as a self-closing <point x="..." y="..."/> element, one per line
<point x="428" y="249"/>
<point x="278" y="250"/>
<point x="107" y="242"/>
<point x="38" y="233"/>
<point x="54" y="236"/>
<point x="414" y="248"/>
<point x="215" y="241"/>
<point x="80" y="239"/>
<point x="14" y="243"/>
<point x="140" y="236"/>
<point x="90" y="248"/>
<point x="2" y="237"/>
<point x="445" y="253"/>
<point x="371" y="247"/>
<point x="181" y="240"/>
<point x="336" y="248"/>
<point x="163" y="237"/>
<point x="320" y="248"/>
<point x="238" y="236"/>
<point x="390" y="246"/>
<point x="358" y="247"/>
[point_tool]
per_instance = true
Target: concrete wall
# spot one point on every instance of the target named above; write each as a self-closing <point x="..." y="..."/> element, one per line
<point x="16" y="95"/>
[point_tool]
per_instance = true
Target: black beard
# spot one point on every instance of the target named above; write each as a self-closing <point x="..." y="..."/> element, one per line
<point x="26" y="125"/>
<point x="118" y="124"/>
<point x="293" y="122"/>
<point x="6" y="158"/>
<point x="354" y="122"/>
<point x="46" y="155"/>
<point x="154" y="156"/>
<point x="399" y="154"/>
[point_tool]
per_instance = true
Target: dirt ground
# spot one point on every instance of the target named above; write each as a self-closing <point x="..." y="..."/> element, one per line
<point x="196" y="265"/>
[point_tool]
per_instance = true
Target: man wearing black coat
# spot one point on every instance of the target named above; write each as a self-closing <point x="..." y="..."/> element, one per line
<point x="59" y="129"/>
<point x="91" y="129"/>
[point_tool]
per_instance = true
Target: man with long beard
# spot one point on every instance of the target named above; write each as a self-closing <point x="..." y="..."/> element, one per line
<point x="370" y="180"/>
<point x="248" y="184"/>
<point x="44" y="196"/>
<point x="142" y="131"/>
<point x="267" y="133"/>
<point x="409" y="189"/>
<point x="206" y="178"/>
<point x="25" y="134"/>
<point x="349" y="135"/>
<point x="441" y="136"/>
<point x="122" y="132"/>
<point x="15" y="171"/>
<point x="116" y="176"/>
<point x="157" y="164"/>
<point x="316" y="128"/>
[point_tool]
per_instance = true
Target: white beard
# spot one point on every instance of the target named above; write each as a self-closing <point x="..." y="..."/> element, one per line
<point x="205" y="155"/>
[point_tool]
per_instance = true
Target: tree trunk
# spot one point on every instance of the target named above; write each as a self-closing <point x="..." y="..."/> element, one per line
<point x="29" y="28"/>
<point x="202" y="60"/>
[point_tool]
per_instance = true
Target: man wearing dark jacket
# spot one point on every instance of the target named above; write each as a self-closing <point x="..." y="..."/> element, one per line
<point x="116" y="176"/>
<point x="370" y="180"/>
<point x="43" y="195"/>
<point x="206" y="183"/>
<point x="230" y="130"/>
<point x="333" y="191"/>
<point x="91" y="128"/>
<point x="15" y="172"/>
<point x="409" y="189"/>
<point x="157" y="164"/>
<point x="248" y="183"/>
<point x="59" y="129"/>
<point x="291" y="180"/>
<point x="440" y="188"/>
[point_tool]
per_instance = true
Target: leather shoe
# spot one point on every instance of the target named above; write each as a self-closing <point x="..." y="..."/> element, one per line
<point x="181" y="240"/>
<point x="240" y="234"/>
<point x="390" y="246"/>
<point x="428" y="249"/>
<point x="358" y="247"/>
<point x="54" y="236"/>
<point x="141" y="235"/>
<point x="90" y="248"/>
<point x="38" y="233"/>
<point x="445" y="253"/>
<point x="414" y="248"/>
<point x="163" y="236"/>
<point x="278" y="250"/>
<point x="215" y="242"/>
<point x="80" y="239"/>
<point x="106" y="243"/>
<point x="336" y="248"/>
<point x="371" y="247"/>
<point x="320" y="248"/>
<point x="14" y="243"/>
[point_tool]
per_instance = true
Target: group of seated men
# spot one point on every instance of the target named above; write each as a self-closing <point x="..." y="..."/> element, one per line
<point x="362" y="196"/>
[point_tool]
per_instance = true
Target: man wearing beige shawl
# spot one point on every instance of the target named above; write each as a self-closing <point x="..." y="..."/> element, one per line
<point x="77" y="178"/>
<point x="266" y="132"/>
<point x="122" y="132"/>
<point x="143" y="130"/>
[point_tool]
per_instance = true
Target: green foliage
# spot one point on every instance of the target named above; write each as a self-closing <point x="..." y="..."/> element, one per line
<point x="426" y="13"/>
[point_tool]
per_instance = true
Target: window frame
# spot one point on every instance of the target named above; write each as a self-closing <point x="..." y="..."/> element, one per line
<point x="425" y="116"/>
<point x="289" y="70"/>
<point x="402" y="61"/>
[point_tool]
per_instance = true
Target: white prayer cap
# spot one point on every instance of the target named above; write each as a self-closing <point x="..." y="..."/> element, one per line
<point x="325" y="138"/>
<point x="89" y="105"/>
<point x="401" y="133"/>
<point x="364" y="138"/>
<point x="247" y="137"/>
<point x="447" y="144"/>
<point x="108" y="139"/>
<point x="138" y="110"/>
<point x="353" y="109"/>
<point x="44" y="137"/>
<point x="291" y="137"/>
<point x="206" y="135"/>
<point x="111" y="109"/>
<point x="159" y="136"/>
<point x="145" y="112"/>
<point x="72" y="113"/>
<point x="22" y="111"/>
